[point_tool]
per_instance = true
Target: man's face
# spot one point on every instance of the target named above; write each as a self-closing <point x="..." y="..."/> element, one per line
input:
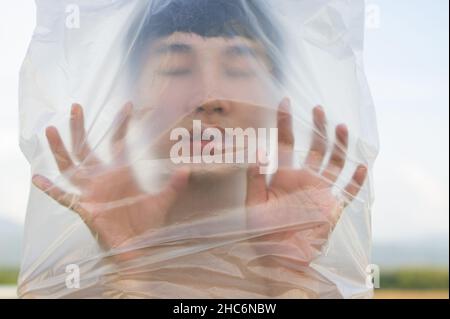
<point x="224" y="82"/>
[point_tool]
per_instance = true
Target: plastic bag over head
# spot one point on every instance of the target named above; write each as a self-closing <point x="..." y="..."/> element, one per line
<point x="197" y="149"/>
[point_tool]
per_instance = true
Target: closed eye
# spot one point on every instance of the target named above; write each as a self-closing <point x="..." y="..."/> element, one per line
<point x="175" y="72"/>
<point x="239" y="73"/>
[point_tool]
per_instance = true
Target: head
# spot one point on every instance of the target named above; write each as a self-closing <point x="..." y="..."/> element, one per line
<point x="216" y="61"/>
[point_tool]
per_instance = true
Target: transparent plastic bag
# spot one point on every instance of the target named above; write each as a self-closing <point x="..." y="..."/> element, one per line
<point x="178" y="150"/>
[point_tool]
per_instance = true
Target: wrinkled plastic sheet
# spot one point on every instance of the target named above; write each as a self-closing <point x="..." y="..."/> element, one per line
<point x="128" y="111"/>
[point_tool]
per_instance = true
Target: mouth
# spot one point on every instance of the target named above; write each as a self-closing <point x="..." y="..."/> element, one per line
<point x="202" y="138"/>
<point x="214" y="143"/>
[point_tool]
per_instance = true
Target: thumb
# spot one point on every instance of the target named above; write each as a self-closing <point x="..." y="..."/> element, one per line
<point x="176" y="185"/>
<point x="256" y="186"/>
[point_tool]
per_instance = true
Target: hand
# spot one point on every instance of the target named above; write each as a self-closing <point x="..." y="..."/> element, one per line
<point x="110" y="201"/>
<point x="301" y="197"/>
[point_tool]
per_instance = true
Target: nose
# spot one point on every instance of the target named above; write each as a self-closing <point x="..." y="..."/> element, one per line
<point x="215" y="107"/>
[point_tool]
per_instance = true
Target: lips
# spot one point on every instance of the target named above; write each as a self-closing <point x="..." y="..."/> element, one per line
<point x="198" y="142"/>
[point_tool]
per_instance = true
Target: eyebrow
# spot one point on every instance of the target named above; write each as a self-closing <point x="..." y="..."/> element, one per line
<point x="231" y="51"/>
<point x="241" y="50"/>
<point x="174" y="48"/>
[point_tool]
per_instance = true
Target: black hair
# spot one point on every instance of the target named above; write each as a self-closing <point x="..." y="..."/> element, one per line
<point x="208" y="18"/>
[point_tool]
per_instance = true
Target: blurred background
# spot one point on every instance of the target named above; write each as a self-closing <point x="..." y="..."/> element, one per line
<point x="407" y="65"/>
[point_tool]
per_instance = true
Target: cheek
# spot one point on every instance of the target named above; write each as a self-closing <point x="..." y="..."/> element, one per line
<point x="164" y="104"/>
<point x="166" y="93"/>
<point x="256" y="91"/>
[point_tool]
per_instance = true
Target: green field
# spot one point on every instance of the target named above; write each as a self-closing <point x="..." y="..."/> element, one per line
<point x="415" y="279"/>
<point x="8" y="276"/>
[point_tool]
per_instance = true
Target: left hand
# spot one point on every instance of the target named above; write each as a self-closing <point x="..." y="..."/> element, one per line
<point x="299" y="203"/>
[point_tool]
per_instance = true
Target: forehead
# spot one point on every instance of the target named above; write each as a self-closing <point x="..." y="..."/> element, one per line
<point x="180" y="42"/>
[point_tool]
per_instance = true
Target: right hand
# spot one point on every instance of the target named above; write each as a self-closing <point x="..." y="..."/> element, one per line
<point x="110" y="201"/>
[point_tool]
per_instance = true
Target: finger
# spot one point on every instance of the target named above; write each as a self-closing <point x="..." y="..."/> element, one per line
<point x="176" y="185"/>
<point x="285" y="133"/>
<point x="256" y="186"/>
<point x="80" y="146"/>
<point x="337" y="160"/>
<point x="63" y="198"/>
<point x="60" y="153"/>
<point x="121" y="123"/>
<point x="358" y="178"/>
<point x="318" y="148"/>
<point x="71" y="201"/>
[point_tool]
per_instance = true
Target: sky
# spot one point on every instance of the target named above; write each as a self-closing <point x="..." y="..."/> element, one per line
<point x="406" y="59"/>
<point x="407" y="66"/>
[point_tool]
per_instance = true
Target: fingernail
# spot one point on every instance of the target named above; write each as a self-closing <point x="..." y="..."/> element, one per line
<point x="342" y="130"/>
<point x="75" y="108"/>
<point x="49" y="130"/>
<point x="75" y="111"/>
<point x="362" y="169"/>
